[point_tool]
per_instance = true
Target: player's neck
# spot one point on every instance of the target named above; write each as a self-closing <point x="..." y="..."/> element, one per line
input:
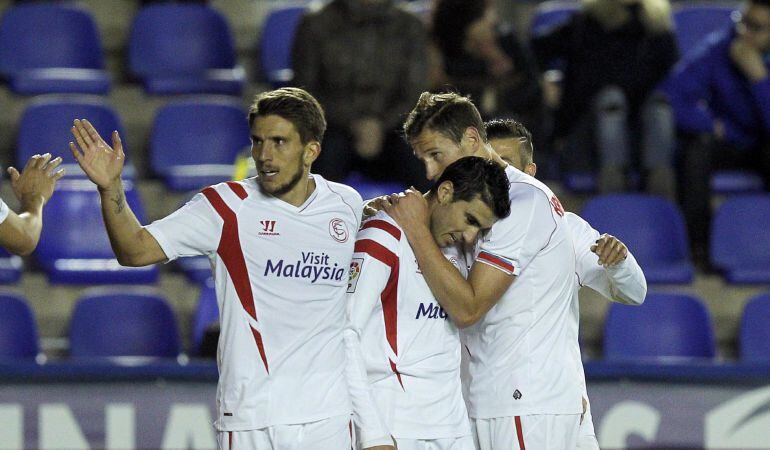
<point x="300" y="193"/>
<point x="488" y="152"/>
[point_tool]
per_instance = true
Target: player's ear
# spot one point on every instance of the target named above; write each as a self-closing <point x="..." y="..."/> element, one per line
<point x="471" y="140"/>
<point x="445" y="193"/>
<point x="531" y="169"/>
<point x="310" y="152"/>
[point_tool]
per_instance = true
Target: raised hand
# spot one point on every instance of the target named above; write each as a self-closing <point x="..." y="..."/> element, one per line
<point x="103" y="164"/>
<point x="410" y="211"/>
<point x="37" y="180"/>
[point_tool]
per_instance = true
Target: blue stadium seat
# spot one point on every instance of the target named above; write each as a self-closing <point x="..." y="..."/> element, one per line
<point x="736" y="182"/>
<point x="196" y="268"/>
<point x="11" y="267"/>
<point x="46" y="122"/>
<point x="694" y="22"/>
<point x="195" y="141"/>
<point x="755" y="330"/>
<point x="369" y="189"/>
<point x="652" y="228"/>
<point x="18" y="332"/>
<point x="665" y="326"/>
<point x="75" y="249"/>
<point x="51" y="48"/>
<point x="206" y="314"/>
<point x="740" y="239"/>
<point x="550" y="14"/>
<point x="123" y="322"/>
<point x="184" y="49"/>
<point x="275" y="44"/>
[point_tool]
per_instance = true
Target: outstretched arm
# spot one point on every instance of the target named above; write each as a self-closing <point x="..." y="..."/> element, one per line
<point x="33" y="187"/>
<point x="133" y="245"/>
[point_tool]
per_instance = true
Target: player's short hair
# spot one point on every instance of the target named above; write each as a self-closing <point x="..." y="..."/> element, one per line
<point x="473" y="176"/>
<point x="449" y="114"/>
<point x="513" y="129"/>
<point x="765" y="3"/>
<point x="295" y="105"/>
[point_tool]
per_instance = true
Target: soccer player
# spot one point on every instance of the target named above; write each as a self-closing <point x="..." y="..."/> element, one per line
<point x="33" y="187"/>
<point x="524" y="391"/>
<point x="603" y="262"/>
<point x="409" y="349"/>
<point x="280" y="246"/>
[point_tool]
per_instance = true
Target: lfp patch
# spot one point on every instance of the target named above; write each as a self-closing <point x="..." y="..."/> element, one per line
<point x="354" y="274"/>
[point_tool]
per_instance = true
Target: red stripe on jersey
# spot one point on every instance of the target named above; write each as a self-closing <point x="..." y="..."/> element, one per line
<point x="229" y="440"/>
<point x="384" y="226"/>
<point x="389" y="294"/>
<point x="496" y="261"/>
<point x="238" y="188"/>
<point x="398" y="374"/>
<point x="519" y="432"/>
<point x="232" y="256"/>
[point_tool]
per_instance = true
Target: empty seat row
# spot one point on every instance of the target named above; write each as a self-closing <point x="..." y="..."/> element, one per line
<point x="193" y="143"/>
<point x="654" y="230"/>
<point x="138" y="322"/>
<point x="678" y="326"/>
<point x="172" y="49"/>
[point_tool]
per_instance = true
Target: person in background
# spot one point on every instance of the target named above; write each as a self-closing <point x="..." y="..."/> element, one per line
<point x="615" y="54"/>
<point x="721" y="99"/>
<point x="484" y="59"/>
<point x="33" y="187"/>
<point x="365" y="61"/>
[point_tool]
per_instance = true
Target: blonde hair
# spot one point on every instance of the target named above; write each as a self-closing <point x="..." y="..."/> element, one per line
<point x="656" y="14"/>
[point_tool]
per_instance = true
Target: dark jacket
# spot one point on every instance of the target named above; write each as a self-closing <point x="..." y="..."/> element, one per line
<point x="706" y="86"/>
<point x="360" y="64"/>
<point x="593" y="58"/>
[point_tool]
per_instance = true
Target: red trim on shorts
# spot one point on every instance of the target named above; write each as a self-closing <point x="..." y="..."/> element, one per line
<point x="232" y="256"/>
<point x="350" y="429"/>
<point x="229" y="440"/>
<point x="519" y="432"/>
<point x="238" y="188"/>
<point x="384" y="226"/>
<point x="388" y="297"/>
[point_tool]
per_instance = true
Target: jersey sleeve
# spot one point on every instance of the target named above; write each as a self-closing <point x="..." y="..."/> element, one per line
<point x="3" y="211"/>
<point x="513" y="241"/>
<point x="621" y="283"/>
<point x="371" y="267"/>
<point x="192" y="230"/>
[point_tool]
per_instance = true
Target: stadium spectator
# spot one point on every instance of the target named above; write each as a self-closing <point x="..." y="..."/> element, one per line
<point x="365" y="61"/>
<point x="33" y="187"/>
<point x="721" y="99"/>
<point x="615" y="53"/>
<point x="484" y="59"/>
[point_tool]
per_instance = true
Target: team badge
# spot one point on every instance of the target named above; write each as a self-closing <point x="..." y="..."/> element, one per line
<point x="338" y="230"/>
<point x="355" y="272"/>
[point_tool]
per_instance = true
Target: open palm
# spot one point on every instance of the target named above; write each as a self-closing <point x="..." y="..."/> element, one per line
<point x="103" y="164"/>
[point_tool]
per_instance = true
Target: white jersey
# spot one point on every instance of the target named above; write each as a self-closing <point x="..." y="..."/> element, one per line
<point x="521" y="352"/>
<point x="281" y="273"/>
<point x="3" y="211"/>
<point x="410" y="347"/>
<point x="622" y="283"/>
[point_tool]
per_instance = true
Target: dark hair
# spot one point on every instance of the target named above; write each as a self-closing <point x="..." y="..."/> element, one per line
<point x="765" y="3"/>
<point x="295" y="105"/>
<point x="473" y="176"/>
<point x="512" y="129"/>
<point x="451" y="19"/>
<point x="449" y="114"/>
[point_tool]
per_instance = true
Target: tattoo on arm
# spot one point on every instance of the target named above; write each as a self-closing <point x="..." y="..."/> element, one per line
<point x="120" y="202"/>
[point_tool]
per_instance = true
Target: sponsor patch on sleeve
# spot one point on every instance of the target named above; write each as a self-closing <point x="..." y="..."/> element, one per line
<point x="355" y="272"/>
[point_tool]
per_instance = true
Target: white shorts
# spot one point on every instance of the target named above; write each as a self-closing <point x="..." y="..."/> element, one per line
<point x="461" y="443"/>
<point x="586" y="434"/>
<point x="332" y="433"/>
<point x="534" y="432"/>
